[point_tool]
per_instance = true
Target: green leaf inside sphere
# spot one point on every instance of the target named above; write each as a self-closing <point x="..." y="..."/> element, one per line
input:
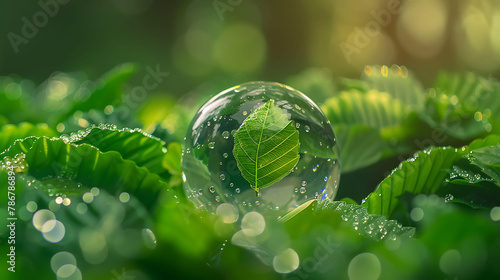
<point x="266" y="146"/>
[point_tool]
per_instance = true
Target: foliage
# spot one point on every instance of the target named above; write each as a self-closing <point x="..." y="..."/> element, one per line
<point x="111" y="175"/>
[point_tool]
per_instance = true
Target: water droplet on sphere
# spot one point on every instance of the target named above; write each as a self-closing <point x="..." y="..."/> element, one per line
<point x="211" y="145"/>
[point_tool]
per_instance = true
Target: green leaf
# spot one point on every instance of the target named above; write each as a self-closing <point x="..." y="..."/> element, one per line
<point x="472" y="91"/>
<point x="373" y="108"/>
<point x="376" y="227"/>
<point x="351" y="215"/>
<point x="109" y="91"/>
<point x="478" y="195"/>
<point x="398" y="82"/>
<point x="360" y="146"/>
<point x="463" y="105"/>
<point x="490" y="140"/>
<point x="120" y="116"/>
<point x="296" y="211"/>
<point x="488" y="159"/>
<point x="474" y="179"/>
<point x="19" y="146"/>
<point x="58" y="162"/>
<point x="109" y="88"/>
<point x="10" y="133"/>
<point x="266" y="146"/>
<point x="422" y="174"/>
<point x="349" y="200"/>
<point x="133" y="144"/>
<point x="471" y="173"/>
<point x="366" y="125"/>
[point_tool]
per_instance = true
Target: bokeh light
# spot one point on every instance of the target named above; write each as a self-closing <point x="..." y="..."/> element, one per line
<point x="365" y="266"/>
<point x="286" y="262"/>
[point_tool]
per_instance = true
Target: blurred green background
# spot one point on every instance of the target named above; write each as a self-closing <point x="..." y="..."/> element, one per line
<point x="199" y="42"/>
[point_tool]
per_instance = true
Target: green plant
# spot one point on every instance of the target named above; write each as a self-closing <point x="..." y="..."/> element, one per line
<point x="118" y="192"/>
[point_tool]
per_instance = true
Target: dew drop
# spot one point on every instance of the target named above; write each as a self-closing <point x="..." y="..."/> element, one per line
<point x="304" y="183"/>
<point x="307" y="128"/>
<point x="211" y="145"/>
<point x="302" y="190"/>
<point x="225" y="155"/>
<point x="225" y="134"/>
<point x="222" y="177"/>
<point x="211" y="189"/>
<point x="237" y="190"/>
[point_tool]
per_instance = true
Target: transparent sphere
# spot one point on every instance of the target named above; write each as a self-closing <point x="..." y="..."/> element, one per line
<point x="211" y="175"/>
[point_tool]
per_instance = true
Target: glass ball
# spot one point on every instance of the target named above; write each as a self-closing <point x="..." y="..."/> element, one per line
<point x="210" y="171"/>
